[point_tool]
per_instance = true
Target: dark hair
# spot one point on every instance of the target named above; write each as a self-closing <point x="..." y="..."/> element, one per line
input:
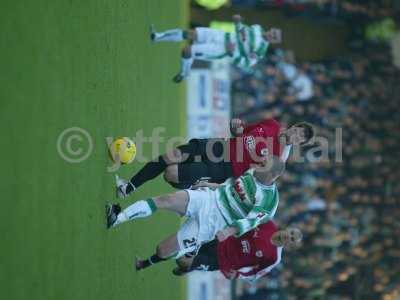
<point x="308" y="131"/>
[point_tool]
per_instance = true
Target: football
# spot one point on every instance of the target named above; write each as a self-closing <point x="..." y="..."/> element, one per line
<point x="122" y="150"/>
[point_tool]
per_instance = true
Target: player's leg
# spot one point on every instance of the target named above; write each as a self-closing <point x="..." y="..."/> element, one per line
<point x="175" y="202"/>
<point x="211" y="164"/>
<point x="165" y="250"/>
<point x="206" y="51"/>
<point x="183" y="176"/>
<point x="186" y="64"/>
<point x="199" y="36"/>
<point x="219" y="167"/>
<point x="172" y="35"/>
<point x="183" y="265"/>
<point x="178" y="245"/>
<point x="154" y="168"/>
<point x="150" y="171"/>
<point x="197" y="166"/>
<point x="205" y="260"/>
<point x="185" y="246"/>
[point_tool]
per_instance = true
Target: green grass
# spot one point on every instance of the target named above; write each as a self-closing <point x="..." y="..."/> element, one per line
<point x="89" y="64"/>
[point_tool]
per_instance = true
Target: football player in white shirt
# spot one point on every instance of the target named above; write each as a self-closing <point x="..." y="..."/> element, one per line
<point x="245" y="47"/>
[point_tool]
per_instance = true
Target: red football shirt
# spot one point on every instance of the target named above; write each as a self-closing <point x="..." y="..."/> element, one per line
<point x="253" y="251"/>
<point x="257" y="140"/>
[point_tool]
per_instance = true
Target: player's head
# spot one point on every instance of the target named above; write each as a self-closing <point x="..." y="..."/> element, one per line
<point x="273" y="167"/>
<point x="300" y="133"/>
<point x="273" y="35"/>
<point x="289" y="238"/>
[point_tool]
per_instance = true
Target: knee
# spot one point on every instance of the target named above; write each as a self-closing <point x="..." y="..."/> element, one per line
<point x="167" y="247"/>
<point x="187" y="51"/>
<point x="172" y="157"/>
<point x="162" y="251"/>
<point x="171" y="174"/>
<point x="189" y="34"/>
<point x="165" y="201"/>
<point x="183" y="263"/>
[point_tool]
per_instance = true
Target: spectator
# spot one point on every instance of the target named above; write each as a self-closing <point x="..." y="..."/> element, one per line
<point x="348" y="211"/>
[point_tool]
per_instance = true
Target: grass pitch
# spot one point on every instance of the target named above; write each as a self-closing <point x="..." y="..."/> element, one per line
<point x="86" y="64"/>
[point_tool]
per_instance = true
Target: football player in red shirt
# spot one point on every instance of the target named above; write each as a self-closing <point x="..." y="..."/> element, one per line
<point x="249" y="257"/>
<point x="216" y="160"/>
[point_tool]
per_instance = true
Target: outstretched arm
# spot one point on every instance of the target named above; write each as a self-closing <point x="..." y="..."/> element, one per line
<point x="258" y="215"/>
<point x="255" y="272"/>
<point x="252" y="273"/>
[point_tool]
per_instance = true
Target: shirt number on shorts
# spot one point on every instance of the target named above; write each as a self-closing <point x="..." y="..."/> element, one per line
<point x="187" y="243"/>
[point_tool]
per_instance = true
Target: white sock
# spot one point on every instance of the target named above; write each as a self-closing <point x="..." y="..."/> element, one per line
<point x="139" y="209"/>
<point x="186" y="65"/>
<point x="173" y="35"/>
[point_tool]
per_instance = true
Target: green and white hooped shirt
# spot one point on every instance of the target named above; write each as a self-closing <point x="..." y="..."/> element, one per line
<point x="248" y="40"/>
<point x="245" y="203"/>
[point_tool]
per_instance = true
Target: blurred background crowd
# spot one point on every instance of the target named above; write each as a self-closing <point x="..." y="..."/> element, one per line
<point x="345" y="195"/>
<point x="363" y="10"/>
<point x="337" y="70"/>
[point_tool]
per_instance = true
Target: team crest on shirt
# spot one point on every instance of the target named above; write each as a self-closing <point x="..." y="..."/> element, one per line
<point x="238" y="186"/>
<point x="259" y="253"/>
<point x="245" y="246"/>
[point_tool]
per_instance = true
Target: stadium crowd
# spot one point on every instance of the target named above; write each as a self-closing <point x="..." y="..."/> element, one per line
<point x="345" y="195"/>
<point x="362" y="10"/>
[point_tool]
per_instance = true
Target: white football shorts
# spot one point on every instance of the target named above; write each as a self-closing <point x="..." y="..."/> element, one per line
<point x="209" y="45"/>
<point x="204" y="220"/>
